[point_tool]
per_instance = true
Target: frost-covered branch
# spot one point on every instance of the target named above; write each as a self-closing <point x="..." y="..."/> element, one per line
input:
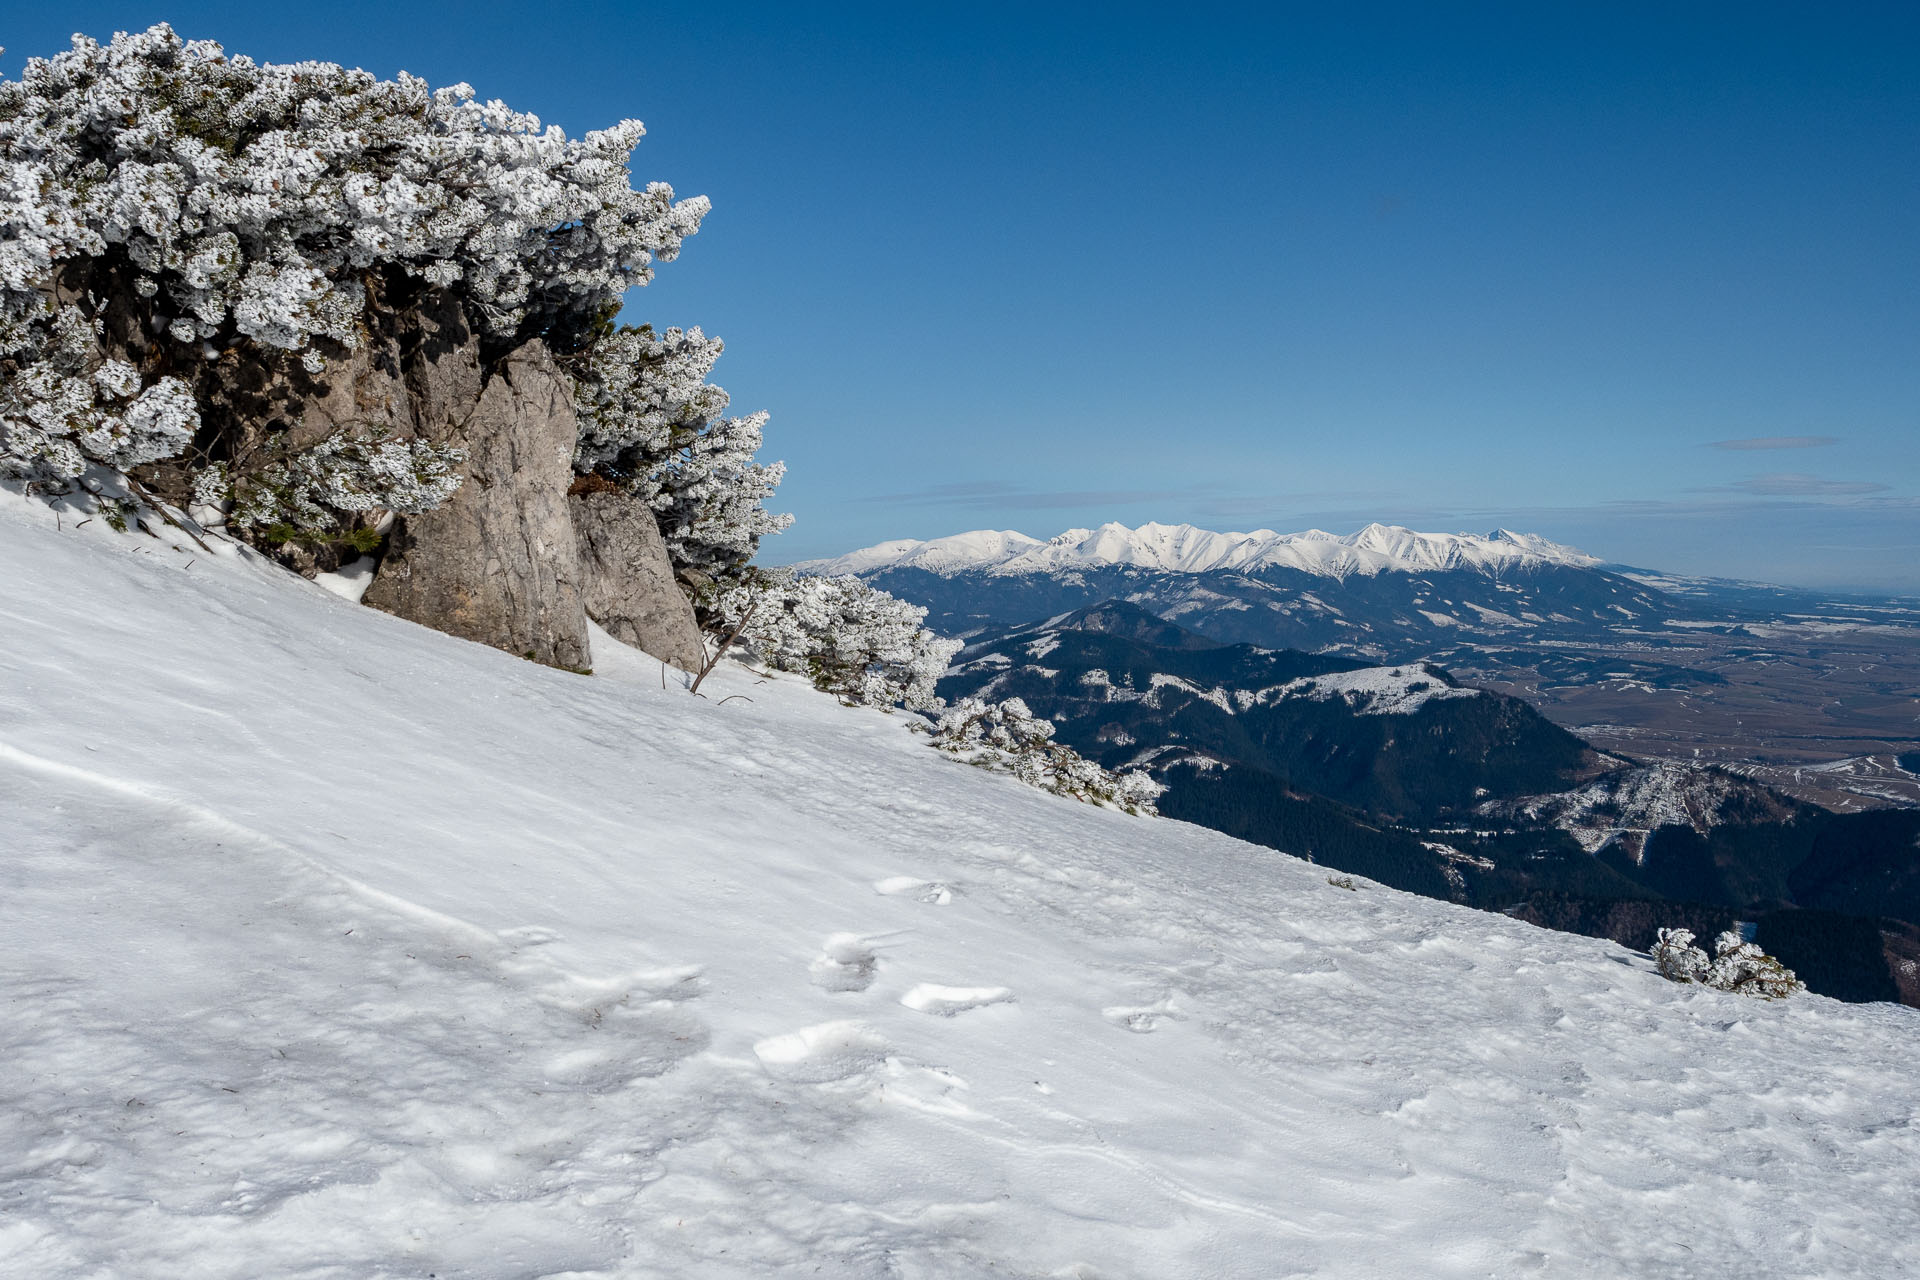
<point x="847" y="637"/>
<point x="304" y="493"/>
<point x="649" y="417"/>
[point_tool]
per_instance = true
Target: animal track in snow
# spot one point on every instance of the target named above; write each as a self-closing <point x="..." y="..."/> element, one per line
<point x="931" y="997"/>
<point x="846" y="963"/>
<point x="932" y="891"/>
<point x="822" y="1053"/>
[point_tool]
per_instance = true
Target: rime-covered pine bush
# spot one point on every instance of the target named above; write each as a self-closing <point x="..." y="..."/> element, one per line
<point x="76" y="405"/>
<point x="651" y="421"/>
<point x="161" y="202"/>
<point x="1678" y="960"/>
<point x="303" y="492"/>
<point x="1008" y="738"/>
<point x="850" y="639"/>
<point x="1737" y="966"/>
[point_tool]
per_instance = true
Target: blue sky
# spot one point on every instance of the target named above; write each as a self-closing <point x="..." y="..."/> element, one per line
<point x="1646" y="280"/>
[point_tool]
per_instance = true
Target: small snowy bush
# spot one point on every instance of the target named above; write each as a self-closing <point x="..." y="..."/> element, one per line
<point x="1008" y="738"/>
<point x="850" y="639"/>
<point x="1737" y="966"/>
<point x="650" y="421"/>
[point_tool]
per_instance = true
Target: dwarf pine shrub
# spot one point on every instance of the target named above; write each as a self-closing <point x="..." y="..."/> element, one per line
<point x="1737" y="966"/>
<point x="1007" y="737"/>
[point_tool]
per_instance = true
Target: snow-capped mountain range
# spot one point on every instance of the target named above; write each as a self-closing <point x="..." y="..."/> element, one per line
<point x="1182" y="548"/>
<point x="1384" y="593"/>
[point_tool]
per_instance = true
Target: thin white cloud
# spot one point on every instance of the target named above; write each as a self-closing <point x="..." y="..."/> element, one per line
<point x="1775" y="442"/>
<point x="994" y="495"/>
<point x="1795" y="484"/>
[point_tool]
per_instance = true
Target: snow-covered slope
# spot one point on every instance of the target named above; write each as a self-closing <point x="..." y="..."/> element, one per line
<point x="334" y="947"/>
<point x="1182" y="548"/>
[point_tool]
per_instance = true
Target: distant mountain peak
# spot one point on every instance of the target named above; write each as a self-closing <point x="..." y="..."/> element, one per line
<point x="1183" y="548"/>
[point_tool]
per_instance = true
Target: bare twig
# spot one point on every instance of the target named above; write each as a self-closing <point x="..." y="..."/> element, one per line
<point x="725" y="645"/>
<point x="730" y="697"/>
<point x="140" y="492"/>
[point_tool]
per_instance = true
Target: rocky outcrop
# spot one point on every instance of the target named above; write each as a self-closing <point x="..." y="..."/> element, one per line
<point x="498" y="563"/>
<point x="416" y="372"/>
<point x="629" y="586"/>
<point x="511" y="560"/>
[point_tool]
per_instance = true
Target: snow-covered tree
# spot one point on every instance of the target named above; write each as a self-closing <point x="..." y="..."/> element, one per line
<point x="162" y="202"/>
<point x="651" y="423"/>
<point x="1737" y="965"/>
<point x="1007" y="737"/>
<point x="847" y="637"/>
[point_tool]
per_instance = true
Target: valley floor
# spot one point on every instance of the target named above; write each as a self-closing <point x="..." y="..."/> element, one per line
<point x="334" y="947"/>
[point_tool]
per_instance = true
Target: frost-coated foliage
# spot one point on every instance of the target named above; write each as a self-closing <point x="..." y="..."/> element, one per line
<point x="216" y="201"/>
<point x="650" y="418"/>
<point x="75" y="405"/>
<point x="847" y="637"/>
<point x="1007" y="737"/>
<point x="256" y="196"/>
<point x="1737" y="966"/>
<point x="304" y="492"/>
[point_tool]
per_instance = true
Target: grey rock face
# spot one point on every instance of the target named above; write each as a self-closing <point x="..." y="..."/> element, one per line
<point x="629" y="584"/>
<point x="498" y="563"/>
<point x="415" y="373"/>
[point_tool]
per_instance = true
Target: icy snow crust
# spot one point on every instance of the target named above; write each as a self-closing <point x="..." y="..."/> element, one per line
<point x="1181" y="548"/>
<point x="335" y="947"/>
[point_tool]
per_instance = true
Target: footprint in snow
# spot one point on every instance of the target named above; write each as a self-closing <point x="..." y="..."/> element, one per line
<point x="823" y="1053"/>
<point x="530" y="935"/>
<point x="934" y="1090"/>
<point x="592" y="998"/>
<point x="931" y="997"/>
<point x="846" y="963"/>
<point x="1143" y="1018"/>
<point x="922" y="890"/>
<point x="632" y="1043"/>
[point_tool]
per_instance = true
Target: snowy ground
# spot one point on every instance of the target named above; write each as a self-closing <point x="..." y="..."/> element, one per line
<point x="331" y="946"/>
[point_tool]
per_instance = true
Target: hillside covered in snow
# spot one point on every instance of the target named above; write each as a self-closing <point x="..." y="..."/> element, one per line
<point x="340" y="947"/>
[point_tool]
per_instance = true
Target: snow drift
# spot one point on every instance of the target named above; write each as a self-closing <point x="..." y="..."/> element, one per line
<point x="338" y="947"/>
